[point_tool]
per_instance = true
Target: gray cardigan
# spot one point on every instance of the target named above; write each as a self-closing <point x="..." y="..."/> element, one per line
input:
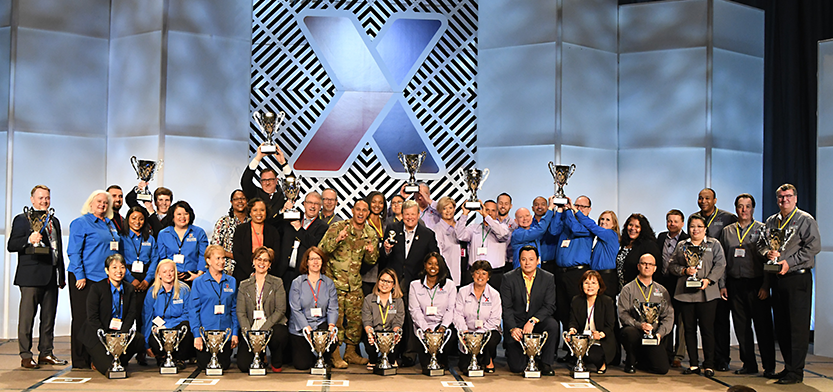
<point x="372" y="317"/>
<point x="274" y="302"/>
<point x="714" y="263"/>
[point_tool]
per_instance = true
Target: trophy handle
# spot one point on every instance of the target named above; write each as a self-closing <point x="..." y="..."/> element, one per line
<point x="483" y="346"/>
<point x="462" y="340"/>
<point x="101" y="336"/>
<point x="421" y="158"/>
<point x="202" y="334"/>
<point x="447" y="336"/>
<point x="483" y="179"/>
<point x="636" y="307"/>
<point x="258" y="119"/>
<point x="551" y="165"/>
<point x="130" y="336"/>
<point x="564" y="335"/>
<point x="246" y="338"/>
<point x="333" y="338"/>
<point x="572" y="170"/>
<point x="180" y="334"/>
<point x="268" y="332"/>
<point x="402" y="160"/>
<point x="544" y="337"/>
<point x="308" y="337"/>
<point x="153" y="332"/>
<point x="135" y="163"/>
<point x="420" y="334"/>
<point x="397" y="335"/>
<point x="373" y="333"/>
<point x="228" y="336"/>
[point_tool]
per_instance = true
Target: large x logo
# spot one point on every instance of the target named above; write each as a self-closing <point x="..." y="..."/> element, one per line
<point x="369" y="105"/>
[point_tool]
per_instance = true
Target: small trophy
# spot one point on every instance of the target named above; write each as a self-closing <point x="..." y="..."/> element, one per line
<point x="560" y="175"/>
<point x="267" y="123"/>
<point x="116" y="344"/>
<point x="532" y="344"/>
<point x="412" y="163"/>
<point x="257" y="341"/>
<point x="474" y="343"/>
<point x="774" y="239"/>
<point x="649" y="313"/>
<point x="579" y="345"/>
<point x="474" y="181"/>
<point x="391" y="237"/>
<point x="385" y="342"/>
<point x="214" y="340"/>
<point x="168" y="339"/>
<point x="320" y="342"/>
<point x="433" y="343"/>
<point x="291" y="188"/>
<point x="693" y="258"/>
<point x="37" y="221"/>
<point x="145" y="171"/>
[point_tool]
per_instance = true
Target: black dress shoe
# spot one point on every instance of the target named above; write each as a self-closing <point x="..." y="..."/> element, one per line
<point x="744" y="370"/>
<point x="708" y="372"/>
<point x="601" y="371"/>
<point x="630" y="369"/>
<point x="722" y="367"/>
<point x="546" y="370"/>
<point x="51" y="360"/>
<point x="769" y="374"/>
<point x="787" y="380"/>
<point x="561" y="359"/>
<point x="690" y="370"/>
<point x="775" y="376"/>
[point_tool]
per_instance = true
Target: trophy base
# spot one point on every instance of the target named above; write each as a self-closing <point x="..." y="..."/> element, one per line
<point x="528" y="374"/>
<point x="268" y="149"/>
<point x="168" y="370"/>
<point x="115" y="375"/>
<point x="257" y="372"/>
<point x="292" y="215"/>
<point x="475" y="373"/>
<point x="384" y="372"/>
<point x="318" y="371"/>
<point x="213" y="372"/>
<point x="772" y="268"/>
<point x="433" y="372"/>
<point x="559" y="201"/>
<point x="472" y="205"/>
<point x="579" y="375"/>
<point x="144" y="197"/>
<point x="411" y="189"/>
<point x="650" y="342"/>
<point x="42" y="250"/>
<point x="693" y="284"/>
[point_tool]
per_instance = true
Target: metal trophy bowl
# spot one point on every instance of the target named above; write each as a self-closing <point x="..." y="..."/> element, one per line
<point x="291" y="189"/>
<point x="560" y="175"/>
<point x="168" y="339"/>
<point x="649" y="313"/>
<point x="116" y="344"/>
<point x="145" y="171"/>
<point x="578" y="345"/>
<point x="214" y="340"/>
<point x="257" y="341"/>
<point x="694" y="258"/>
<point x="412" y="163"/>
<point x="385" y="342"/>
<point x="268" y="124"/>
<point x="474" y="182"/>
<point x="433" y="342"/>
<point x="37" y="220"/>
<point x="532" y="344"/>
<point x="773" y="238"/>
<point x="320" y="342"/>
<point x="474" y="343"/>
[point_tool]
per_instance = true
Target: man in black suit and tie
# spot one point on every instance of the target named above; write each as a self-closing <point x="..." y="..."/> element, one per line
<point x="667" y="242"/>
<point x="269" y="191"/>
<point x="413" y="243"/>
<point x="297" y="236"/>
<point x="527" y="295"/>
<point x="39" y="275"/>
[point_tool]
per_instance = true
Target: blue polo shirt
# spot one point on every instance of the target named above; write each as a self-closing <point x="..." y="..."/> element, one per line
<point x="192" y="247"/>
<point x="89" y="246"/>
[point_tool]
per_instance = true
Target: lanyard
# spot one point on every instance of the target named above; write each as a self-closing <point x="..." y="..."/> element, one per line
<point x="788" y="220"/>
<point x="219" y="294"/>
<point x="170" y="296"/>
<point x="436" y="286"/>
<point x="740" y="239"/>
<point x="590" y="315"/>
<point x="485" y="233"/>
<point x="528" y="291"/>
<point x="331" y="218"/>
<point x="643" y="293"/>
<point x="256" y="237"/>
<point x="712" y="219"/>
<point x="260" y="295"/>
<point x="108" y="229"/>
<point x="478" y="302"/>
<point x="384" y="315"/>
<point x="180" y="243"/>
<point x="310" y="222"/>
<point x="316" y="291"/>
<point x="133" y="242"/>
<point x="121" y="304"/>
<point x="378" y="229"/>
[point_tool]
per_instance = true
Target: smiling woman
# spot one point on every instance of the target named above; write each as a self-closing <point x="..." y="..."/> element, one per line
<point x="252" y="235"/>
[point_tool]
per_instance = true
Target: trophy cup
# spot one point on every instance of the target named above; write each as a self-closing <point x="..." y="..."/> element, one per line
<point x="320" y="342"/>
<point x="144" y="170"/>
<point x="267" y="123"/>
<point x="693" y="258"/>
<point x="291" y="188"/>
<point x="649" y="313"/>
<point x="257" y="341"/>
<point x="412" y="163"/>
<point x="391" y="237"/>
<point x="385" y="342"/>
<point x="474" y="343"/>
<point x="474" y="181"/>
<point x="433" y="342"/>
<point x="560" y="174"/>
<point x="532" y="344"/>
<point x="774" y="239"/>
<point x="37" y="220"/>
<point x="579" y="345"/>
<point x="214" y="340"/>
<point x="168" y="339"/>
<point x="116" y="343"/>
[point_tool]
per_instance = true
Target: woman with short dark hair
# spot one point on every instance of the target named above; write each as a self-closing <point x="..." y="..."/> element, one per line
<point x="183" y="242"/>
<point x="593" y="313"/>
<point x="478" y="309"/>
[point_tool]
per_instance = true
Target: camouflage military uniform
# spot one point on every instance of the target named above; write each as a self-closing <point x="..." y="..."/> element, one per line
<point x="345" y="261"/>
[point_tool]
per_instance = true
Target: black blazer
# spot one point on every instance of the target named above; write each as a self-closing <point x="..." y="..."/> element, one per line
<point x="35" y="269"/>
<point x="629" y="266"/>
<point x="408" y="268"/>
<point x="513" y="298"/>
<point x="100" y="310"/>
<point x="242" y="249"/>
<point x="274" y="204"/>
<point x="604" y="315"/>
<point x="308" y="237"/>
<point x="669" y="280"/>
<point x="662" y="236"/>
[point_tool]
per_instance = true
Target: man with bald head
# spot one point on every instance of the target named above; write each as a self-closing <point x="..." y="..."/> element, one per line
<point x="527" y="234"/>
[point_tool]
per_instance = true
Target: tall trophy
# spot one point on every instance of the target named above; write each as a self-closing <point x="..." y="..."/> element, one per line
<point x="37" y="221"/>
<point x="532" y="344"/>
<point x="385" y="341"/>
<point x="474" y="181"/>
<point x="257" y="341"/>
<point x="560" y="175"/>
<point x="268" y="124"/>
<point x="774" y="239"/>
<point x="412" y="163"/>
<point x="116" y="344"/>
<point x="433" y="342"/>
<point x="214" y="340"/>
<point x="579" y="345"/>
<point x="649" y="313"/>
<point x="320" y="342"/>
<point x="291" y="189"/>
<point x="145" y="171"/>
<point x="169" y="339"/>
<point x="474" y="343"/>
<point x="694" y="258"/>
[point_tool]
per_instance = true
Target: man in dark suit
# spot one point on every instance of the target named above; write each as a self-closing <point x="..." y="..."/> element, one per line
<point x="269" y="191"/>
<point x="297" y="236"/>
<point x="40" y="274"/>
<point x="527" y="295"/>
<point x="413" y="243"/>
<point x="667" y="242"/>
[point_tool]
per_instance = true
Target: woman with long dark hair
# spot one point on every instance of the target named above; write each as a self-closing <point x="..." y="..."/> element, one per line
<point x="224" y="229"/>
<point x="431" y="300"/>
<point x="637" y="239"/>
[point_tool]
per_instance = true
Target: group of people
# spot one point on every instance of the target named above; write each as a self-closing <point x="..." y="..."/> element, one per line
<point x="405" y="264"/>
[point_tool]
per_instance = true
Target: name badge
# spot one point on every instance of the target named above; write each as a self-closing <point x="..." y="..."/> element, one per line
<point x="478" y="324"/>
<point x="219" y="309"/>
<point x="316" y="312"/>
<point x="259" y="315"/>
<point x="740" y="252"/>
<point x="159" y="322"/>
<point x="138" y="266"/>
<point x="565" y="243"/>
<point x="296" y="244"/>
<point x="391" y="311"/>
<point x="431" y="310"/>
<point x="115" y="323"/>
<point x="177" y="301"/>
<point x="588" y="332"/>
<point x="462" y="252"/>
<point x="114" y="245"/>
<point x="481" y="251"/>
<point x="179" y="258"/>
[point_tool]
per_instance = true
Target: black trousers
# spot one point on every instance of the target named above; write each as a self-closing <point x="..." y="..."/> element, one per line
<point x="140" y="298"/>
<point x="224" y="356"/>
<point x="78" y="306"/>
<point x="32" y="298"/>
<point x="651" y="359"/>
<point x="611" y="279"/>
<point x="302" y="356"/>
<point x="791" y="301"/>
<point x="721" y="333"/>
<point x="702" y="314"/>
<point x="747" y="307"/>
<point x="103" y="361"/>
<point x="277" y="344"/>
<point x="186" y="346"/>
<point x="514" y="351"/>
<point x="567" y="286"/>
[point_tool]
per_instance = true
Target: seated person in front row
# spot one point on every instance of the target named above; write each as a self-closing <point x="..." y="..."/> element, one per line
<point x="593" y="313"/>
<point x="431" y="300"/>
<point x="314" y="304"/>
<point x="478" y="309"/>
<point x="383" y="310"/>
<point x="165" y="307"/>
<point x="528" y="297"/>
<point x="214" y="306"/>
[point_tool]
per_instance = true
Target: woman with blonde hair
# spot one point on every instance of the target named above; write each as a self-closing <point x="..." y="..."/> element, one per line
<point x="165" y="307"/>
<point x="447" y="240"/>
<point x="603" y="257"/>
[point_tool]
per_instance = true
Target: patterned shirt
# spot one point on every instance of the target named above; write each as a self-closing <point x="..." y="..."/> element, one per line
<point x="223" y="235"/>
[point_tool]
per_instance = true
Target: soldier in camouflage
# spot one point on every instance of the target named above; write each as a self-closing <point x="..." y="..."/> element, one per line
<point x="350" y="243"/>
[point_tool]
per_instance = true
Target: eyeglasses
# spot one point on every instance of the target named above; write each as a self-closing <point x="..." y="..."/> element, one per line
<point x="239" y="199"/>
<point x="267" y="180"/>
<point x="647" y="264"/>
<point x="397" y="202"/>
<point x="264" y="259"/>
<point x="329" y="199"/>
<point x="581" y="206"/>
<point x="785" y="197"/>
<point x="385" y="281"/>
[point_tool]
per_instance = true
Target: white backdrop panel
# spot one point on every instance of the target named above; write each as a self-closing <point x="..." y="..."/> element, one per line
<point x="5" y="76"/>
<point x="736" y="172"/>
<point x="663" y="25"/>
<point x="5" y="12"/>
<point x="823" y="317"/>
<point x="739" y="28"/>
<point x="119" y="151"/>
<point x="6" y="325"/>
<point x="508" y="23"/>
<point x="135" y="84"/>
<point x="520" y="171"/>
<point x="588" y="97"/>
<point x="232" y="19"/>
<point x="516" y="108"/>
<point x="3" y="167"/>
<point x="591" y="23"/>
<point x="595" y="177"/>
<point x="130" y="17"/>
<point x="738" y="101"/>
<point x="824" y="188"/>
<point x="84" y="17"/>
<point x="825" y="97"/>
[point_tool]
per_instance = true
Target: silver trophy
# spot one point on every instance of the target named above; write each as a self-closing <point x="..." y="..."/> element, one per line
<point x="320" y="342"/>
<point x="291" y="189"/>
<point x="37" y="221"/>
<point x="649" y="313"/>
<point x="257" y="341"/>
<point x="579" y="345"/>
<point x="169" y="339"/>
<point x="412" y="163"/>
<point x="116" y="344"/>
<point x="433" y="342"/>
<point x="560" y="175"/>
<point x="214" y="340"/>
<point x="694" y="258"/>
<point x="773" y="238"/>
<point x="474" y="343"/>
<point x="145" y="171"/>
<point x="391" y="237"/>
<point x="385" y="341"/>
<point x="269" y="124"/>
<point x="474" y="182"/>
<point x="532" y="344"/>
